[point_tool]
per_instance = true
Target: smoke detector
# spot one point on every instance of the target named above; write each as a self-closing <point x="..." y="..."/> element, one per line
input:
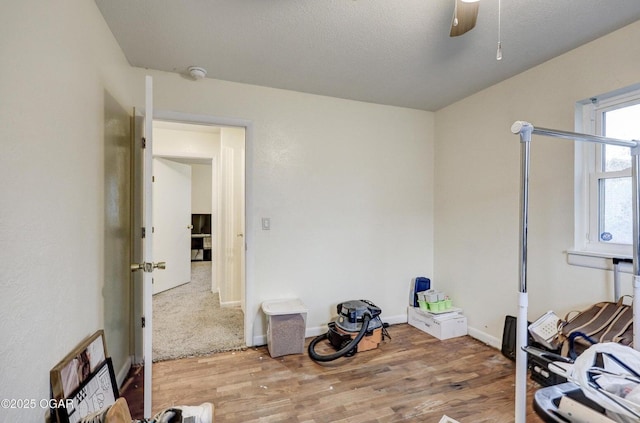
<point x="197" y="72"/>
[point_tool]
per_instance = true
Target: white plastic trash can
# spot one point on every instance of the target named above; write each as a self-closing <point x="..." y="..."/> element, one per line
<point x="286" y="326"/>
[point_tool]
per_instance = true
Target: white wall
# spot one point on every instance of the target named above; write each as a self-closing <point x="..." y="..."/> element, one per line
<point x="59" y="60"/>
<point x="187" y="142"/>
<point x="478" y="181"/>
<point x="183" y="143"/>
<point x="348" y="187"/>
<point x="201" y="188"/>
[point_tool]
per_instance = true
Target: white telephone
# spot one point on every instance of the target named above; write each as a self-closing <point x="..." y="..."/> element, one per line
<point x="545" y="330"/>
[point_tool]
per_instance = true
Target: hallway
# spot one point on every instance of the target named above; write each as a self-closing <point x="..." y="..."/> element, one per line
<point x="188" y="320"/>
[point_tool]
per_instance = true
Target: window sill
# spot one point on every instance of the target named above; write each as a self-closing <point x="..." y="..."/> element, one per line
<point x="599" y="260"/>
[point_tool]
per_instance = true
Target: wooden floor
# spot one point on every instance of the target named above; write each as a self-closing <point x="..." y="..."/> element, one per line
<point x="411" y="377"/>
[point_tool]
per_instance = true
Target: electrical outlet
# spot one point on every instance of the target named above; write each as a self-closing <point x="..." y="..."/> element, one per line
<point x="266" y="223"/>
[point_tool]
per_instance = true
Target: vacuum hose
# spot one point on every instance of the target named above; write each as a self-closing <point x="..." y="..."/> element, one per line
<point x="345" y="350"/>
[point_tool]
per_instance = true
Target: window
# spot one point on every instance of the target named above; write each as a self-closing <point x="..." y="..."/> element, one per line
<point x="603" y="174"/>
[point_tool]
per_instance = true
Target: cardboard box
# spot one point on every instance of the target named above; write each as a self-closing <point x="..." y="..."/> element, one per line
<point x="441" y="326"/>
<point x="368" y="342"/>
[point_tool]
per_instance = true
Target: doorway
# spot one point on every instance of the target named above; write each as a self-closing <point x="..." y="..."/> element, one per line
<point x="142" y="204"/>
<point x="203" y="314"/>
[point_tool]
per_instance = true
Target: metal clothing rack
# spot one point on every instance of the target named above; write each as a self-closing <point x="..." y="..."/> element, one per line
<point x="525" y="129"/>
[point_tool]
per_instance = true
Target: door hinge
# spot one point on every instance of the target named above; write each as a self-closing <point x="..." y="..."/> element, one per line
<point x="144" y="232"/>
<point x="144" y="142"/>
<point x="144" y="321"/>
<point x="153" y="179"/>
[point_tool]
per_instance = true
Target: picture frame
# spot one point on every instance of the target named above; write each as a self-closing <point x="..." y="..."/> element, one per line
<point x="96" y="392"/>
<point x="70" y="373"/>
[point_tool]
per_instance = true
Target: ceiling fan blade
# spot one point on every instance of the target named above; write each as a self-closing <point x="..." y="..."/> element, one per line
<point x="464" y="17"/>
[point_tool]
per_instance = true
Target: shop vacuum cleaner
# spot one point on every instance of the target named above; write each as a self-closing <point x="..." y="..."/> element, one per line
<point x="357" y="328"/>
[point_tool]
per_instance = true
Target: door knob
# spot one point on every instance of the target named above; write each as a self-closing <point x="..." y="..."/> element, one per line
<point x="148" y="267"/>
<point x="190" y="227"/>
<point x="240" y="235"/>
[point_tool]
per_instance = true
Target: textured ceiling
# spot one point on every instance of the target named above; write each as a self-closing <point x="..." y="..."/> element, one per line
<point x="394" y="52"/>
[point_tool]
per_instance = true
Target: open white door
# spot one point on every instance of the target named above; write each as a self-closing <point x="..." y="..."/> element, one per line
<point x="142" y="264"/>
<point x="148" y="265"/>
<point x="172" y="222"/>
<point x="142" y="241"/>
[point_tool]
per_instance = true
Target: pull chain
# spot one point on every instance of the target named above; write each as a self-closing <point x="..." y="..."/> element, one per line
<point x="499" y="52"/>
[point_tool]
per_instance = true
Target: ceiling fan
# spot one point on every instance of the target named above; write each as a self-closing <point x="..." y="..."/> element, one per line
<point x="465" y="13"/>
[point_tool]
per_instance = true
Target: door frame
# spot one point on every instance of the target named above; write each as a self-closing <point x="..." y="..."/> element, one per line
<point x="179" y="117"/>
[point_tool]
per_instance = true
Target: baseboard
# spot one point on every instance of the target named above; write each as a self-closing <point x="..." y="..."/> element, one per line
<point x="124" y="371"/>
<point x="231" y="304"/>
<point x="481" y="336"/>
<point x="396" y="320"/>
<point x="319" y="330"/>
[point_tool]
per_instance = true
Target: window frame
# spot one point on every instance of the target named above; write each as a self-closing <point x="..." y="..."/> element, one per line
<point x="588" y="174"/>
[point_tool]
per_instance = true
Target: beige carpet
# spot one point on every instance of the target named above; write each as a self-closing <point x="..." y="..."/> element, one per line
<point x="188" y="320"/>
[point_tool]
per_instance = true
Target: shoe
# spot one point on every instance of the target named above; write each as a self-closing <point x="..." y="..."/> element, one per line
<point x="202" y="413"/>
<point x="169" y="415"/>
<point x="118" y="412"/>
<point x="97" y="417"/>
